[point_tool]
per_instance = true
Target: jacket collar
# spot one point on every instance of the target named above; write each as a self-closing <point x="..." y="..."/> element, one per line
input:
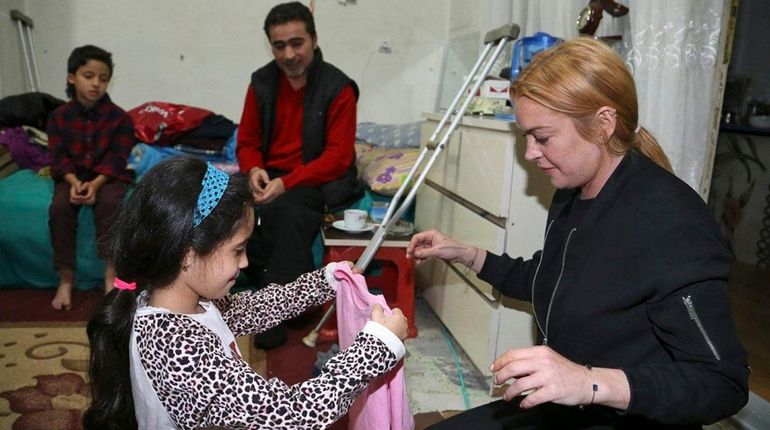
<point x="99" y="107"/>
<point x="312" y="70"/>
<point x="608" y="195"/>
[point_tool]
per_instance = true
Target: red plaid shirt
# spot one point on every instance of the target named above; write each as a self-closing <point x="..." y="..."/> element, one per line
<point x="89" y="142"/>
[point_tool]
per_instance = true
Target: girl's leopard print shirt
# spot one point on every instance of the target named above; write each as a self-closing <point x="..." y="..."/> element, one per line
<point x="200" y="386"/>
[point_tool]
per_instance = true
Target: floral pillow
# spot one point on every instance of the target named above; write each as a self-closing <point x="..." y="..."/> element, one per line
<point x="384" y="169"/>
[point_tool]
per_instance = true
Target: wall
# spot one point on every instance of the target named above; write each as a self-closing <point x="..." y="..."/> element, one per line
<point x="12" y="71"/>
<point x="201" y="53"/>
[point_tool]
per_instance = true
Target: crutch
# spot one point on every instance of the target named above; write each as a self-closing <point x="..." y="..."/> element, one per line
<point x="25" y="25"/>
<point x="496" y="39"/>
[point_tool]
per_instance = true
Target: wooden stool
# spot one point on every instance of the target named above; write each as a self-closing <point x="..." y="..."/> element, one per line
<point x="396" y="281"/>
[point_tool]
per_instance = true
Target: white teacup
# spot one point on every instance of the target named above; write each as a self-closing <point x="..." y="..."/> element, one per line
<point x="355" y="219"/>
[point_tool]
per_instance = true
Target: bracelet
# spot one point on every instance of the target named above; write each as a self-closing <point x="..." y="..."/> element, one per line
<point x="473" y="260"/>
<point x="594" y="389"/>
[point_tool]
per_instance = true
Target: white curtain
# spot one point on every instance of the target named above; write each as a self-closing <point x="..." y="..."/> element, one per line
<point x="673" y="48"/>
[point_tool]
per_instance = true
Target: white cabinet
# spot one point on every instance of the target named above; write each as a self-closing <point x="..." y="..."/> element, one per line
<point x="482" y="192"/>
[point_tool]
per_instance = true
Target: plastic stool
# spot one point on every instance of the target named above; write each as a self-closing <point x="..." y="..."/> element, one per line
<point x="396" y="270"/>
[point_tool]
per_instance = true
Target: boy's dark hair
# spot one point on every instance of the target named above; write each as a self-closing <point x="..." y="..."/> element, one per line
<point x="286" y="12"/>
<point x="148" y="243"/>
<point x="80" y="56"/>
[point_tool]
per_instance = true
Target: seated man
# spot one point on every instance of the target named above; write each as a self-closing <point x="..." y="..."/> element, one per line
<point x="296" y="143"/>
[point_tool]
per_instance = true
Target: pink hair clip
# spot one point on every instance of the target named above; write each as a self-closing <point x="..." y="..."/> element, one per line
<point x="123" y="285"/>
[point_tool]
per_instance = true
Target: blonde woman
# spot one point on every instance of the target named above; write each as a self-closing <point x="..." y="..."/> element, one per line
<point x="629" y="292"/>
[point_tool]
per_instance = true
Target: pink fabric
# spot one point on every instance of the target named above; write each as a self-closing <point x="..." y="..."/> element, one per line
<point x="384" y="404"/>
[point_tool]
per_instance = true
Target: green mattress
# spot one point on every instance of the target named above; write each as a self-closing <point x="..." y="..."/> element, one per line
<point x="26" y="257"/>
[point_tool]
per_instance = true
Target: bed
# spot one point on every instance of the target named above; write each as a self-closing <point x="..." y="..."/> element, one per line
<point x="384" y="155"/>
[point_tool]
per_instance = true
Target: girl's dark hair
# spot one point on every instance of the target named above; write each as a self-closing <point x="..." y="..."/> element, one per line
<point x="287" y="12"/>
<point x="147" y="244"/>
<point x="80" y="56"/>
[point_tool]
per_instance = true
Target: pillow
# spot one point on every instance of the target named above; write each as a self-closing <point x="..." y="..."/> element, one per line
<point x="365" y="153"/>
<point x="384" y="170"/>
<point x="390" y="135"/>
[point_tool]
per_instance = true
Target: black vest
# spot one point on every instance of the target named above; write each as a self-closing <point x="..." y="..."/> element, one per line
<point x="324" y="83"/>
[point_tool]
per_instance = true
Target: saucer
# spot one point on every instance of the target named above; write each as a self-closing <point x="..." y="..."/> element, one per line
<point x="340" y="225"/>
<point x="401" y="228"/>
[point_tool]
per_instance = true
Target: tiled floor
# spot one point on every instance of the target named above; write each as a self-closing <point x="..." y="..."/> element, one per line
<point x="431" y="370"/>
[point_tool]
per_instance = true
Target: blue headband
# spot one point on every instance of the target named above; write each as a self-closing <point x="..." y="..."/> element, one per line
<point x="214" y="184"/>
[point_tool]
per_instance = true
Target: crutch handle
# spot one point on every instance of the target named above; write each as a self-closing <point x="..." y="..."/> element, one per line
<point x="16" y="15"/>
<point x="510" y="31"/>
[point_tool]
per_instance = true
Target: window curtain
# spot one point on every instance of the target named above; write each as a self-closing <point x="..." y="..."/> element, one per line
<point x="674" y="49"/>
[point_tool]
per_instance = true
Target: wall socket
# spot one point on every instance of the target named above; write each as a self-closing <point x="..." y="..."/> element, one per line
<point x="385" y="47"/>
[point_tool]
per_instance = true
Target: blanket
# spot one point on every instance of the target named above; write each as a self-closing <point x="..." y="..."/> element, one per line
<point x="26" y="257"/>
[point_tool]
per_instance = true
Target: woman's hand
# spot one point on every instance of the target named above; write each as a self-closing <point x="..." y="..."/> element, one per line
<point x="395" y="322"/>
<point x="432" y="243"/>
<point x="542" y="375"/>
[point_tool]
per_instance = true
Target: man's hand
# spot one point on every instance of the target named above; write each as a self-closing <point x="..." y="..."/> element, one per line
<point x="258" y="180"/>
<point x="273" y="189"/>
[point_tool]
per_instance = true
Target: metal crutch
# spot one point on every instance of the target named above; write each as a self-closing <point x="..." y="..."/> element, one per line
<point x="498" y="38"/>
<point x="25" y="25"/>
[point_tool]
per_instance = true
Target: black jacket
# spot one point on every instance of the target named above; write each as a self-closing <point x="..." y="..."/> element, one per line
<point x="324" y="84"/>
<point x="643" y="289"/>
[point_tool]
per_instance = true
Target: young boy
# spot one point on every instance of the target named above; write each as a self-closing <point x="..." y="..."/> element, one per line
<point x="90" y="139"/>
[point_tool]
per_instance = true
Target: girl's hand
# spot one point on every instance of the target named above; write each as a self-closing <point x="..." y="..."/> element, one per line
<point x="395" y="322"/>
<point x="352" y="266"/>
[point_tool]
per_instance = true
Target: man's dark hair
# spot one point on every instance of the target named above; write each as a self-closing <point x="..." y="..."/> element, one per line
<point x="286" y="12"/>
<point x="80" y="56"/>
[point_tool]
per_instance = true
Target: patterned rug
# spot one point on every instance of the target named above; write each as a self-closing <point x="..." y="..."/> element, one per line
<point x="43" y="364"/>
<point x="43" y="374"/>
<point x="42" y="377"/>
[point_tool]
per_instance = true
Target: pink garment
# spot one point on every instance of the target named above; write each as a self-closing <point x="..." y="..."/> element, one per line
<point x="384" y="404"/>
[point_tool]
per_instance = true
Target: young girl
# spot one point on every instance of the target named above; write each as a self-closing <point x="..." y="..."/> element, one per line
<point x="163" y="351"/>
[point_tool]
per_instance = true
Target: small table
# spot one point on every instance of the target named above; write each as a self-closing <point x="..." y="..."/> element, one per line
<point x="396" y="280"/>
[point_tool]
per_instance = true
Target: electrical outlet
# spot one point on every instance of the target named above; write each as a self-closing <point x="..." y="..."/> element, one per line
<point x="385" y="47"/>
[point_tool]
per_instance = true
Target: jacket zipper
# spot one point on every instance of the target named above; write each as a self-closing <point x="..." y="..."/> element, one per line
<point x="555" y="288"/>
<point x="534" y="278"/>
<point x="694" y="316"/>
